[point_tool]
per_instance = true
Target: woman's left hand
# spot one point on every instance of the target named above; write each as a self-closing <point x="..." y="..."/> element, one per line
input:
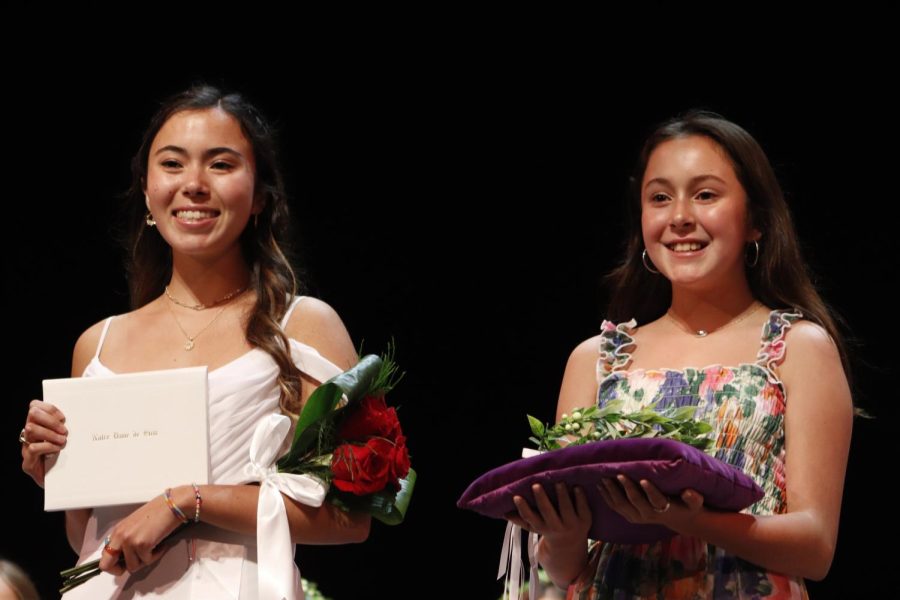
<point x="644" y="503"/>
<point x="136" y="539"/>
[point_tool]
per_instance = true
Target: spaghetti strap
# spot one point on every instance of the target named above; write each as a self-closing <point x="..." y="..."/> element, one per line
<point x="290" y="310"/>
<point x="103" y="336"/>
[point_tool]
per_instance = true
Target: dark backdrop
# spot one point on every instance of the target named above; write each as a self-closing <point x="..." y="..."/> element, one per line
<point x="468" y="208"/>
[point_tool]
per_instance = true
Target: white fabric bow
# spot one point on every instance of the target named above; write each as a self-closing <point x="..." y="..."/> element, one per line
<point x="278" y="579"/>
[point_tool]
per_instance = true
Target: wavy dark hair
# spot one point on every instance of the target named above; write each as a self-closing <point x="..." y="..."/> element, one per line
<point x="780" y="278"/>
<point x="263" y="243"/>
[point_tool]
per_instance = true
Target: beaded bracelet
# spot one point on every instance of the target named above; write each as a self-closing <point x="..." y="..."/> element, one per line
<point x="175" y="510"/>
<point x="199" y="502"/>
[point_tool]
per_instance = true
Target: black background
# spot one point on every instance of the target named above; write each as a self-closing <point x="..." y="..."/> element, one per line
<point x="467" y="206"/>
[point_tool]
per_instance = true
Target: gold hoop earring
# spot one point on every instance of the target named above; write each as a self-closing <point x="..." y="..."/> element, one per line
<point x="644" y="260"/>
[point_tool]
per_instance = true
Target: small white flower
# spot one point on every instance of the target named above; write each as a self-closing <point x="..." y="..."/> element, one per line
<point x="576" y="415"/>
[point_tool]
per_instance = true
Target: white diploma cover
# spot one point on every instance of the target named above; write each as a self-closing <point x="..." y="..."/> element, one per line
<point x="131" y="436"/>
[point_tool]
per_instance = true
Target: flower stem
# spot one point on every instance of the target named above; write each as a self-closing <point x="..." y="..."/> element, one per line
<point x="80" y="569"/>
<point x="78" y="575"/>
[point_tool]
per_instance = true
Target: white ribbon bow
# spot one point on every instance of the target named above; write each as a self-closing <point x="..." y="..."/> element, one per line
<point x="278" y="579"/>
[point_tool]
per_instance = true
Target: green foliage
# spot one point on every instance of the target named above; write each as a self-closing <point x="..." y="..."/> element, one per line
<point x="591" y="424"/>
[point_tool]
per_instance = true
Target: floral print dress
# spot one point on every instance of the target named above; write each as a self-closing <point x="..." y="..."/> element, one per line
<point x="745" y="405"/>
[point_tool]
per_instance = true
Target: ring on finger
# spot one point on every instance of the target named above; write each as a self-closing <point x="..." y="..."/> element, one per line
<point x="664" y="508"/>
<point x="109" y="549"/>
<point x="23" y="439"/>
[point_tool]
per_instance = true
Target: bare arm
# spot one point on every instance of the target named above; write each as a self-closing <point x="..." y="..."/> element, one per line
<point x="233" y="507"/>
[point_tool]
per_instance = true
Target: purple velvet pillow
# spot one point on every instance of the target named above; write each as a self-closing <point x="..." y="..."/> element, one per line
<point x="671" y="466"/>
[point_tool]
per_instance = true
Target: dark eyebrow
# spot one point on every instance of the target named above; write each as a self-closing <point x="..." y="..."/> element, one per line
<point x="206" y="154"/>
<point x="693" y="180"/>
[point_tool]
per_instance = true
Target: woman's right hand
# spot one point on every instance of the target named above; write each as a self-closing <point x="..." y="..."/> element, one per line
<point x="569" y="523"/>
<point x="44" y="433"/>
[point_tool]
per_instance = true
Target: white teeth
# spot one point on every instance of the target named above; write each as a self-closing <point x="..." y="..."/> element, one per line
<point x="685" y="247"/>
<point x="194" y="215"/>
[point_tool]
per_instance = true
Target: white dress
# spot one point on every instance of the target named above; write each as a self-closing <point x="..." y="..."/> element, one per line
<point x="241" y="394"/>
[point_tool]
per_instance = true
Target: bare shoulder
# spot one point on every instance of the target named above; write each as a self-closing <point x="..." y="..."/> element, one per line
<point x="581" y="368"/>
<point x="579" y="384"/>
<point x="811" y="358"/>
<point x="808" y="342"/>
<point x="587" y="351"/>
<point x="315" y="323"/>
<point x="85" y="347"/>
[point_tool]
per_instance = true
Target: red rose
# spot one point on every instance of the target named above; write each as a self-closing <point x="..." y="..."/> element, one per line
<point x="399" y="461"/>
<point x="370" y="418"/>
<point x="364" y="469"/>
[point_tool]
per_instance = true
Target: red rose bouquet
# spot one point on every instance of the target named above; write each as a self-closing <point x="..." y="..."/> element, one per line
<point x="347" y="436"/>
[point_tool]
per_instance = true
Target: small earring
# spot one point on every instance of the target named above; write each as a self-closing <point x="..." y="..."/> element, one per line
<point x="644" y="260"/>
<point x="149" y="220"/>
<point x="756" y="257"/>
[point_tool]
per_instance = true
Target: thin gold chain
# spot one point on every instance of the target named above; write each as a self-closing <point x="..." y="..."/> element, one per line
<point x="200" y="306"/>
<point x="189" y="345"/>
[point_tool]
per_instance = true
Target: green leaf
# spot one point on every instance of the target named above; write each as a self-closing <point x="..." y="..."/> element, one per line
<point x="357" y="380"/>
<point x="397" y="509"/>
<point x="683" y="413"/>
<point x="537" y="428"/>
<point x="590" y="411"/>
<point x="613" y="406"/>
<point x="320" y="405"/>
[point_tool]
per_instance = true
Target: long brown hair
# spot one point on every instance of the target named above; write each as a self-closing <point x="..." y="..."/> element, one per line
<point x="263" y="242"/>
<point x="780" y="277"/>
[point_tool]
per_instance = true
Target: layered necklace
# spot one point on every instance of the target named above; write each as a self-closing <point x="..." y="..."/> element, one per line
<point x="189" y="345"/>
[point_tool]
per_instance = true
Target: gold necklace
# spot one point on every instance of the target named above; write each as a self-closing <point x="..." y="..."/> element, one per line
<point x="199" y="306"/>
<point x="189" y="345"/>
<point x="755" y="306"/>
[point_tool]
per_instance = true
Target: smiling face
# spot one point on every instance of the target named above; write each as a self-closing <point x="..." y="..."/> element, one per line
<point x="200" y="182"/>
<point x="690" y="194"/>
